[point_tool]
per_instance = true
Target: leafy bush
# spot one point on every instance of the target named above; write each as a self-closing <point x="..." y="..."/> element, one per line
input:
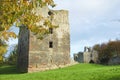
<point x="107" y="50"/>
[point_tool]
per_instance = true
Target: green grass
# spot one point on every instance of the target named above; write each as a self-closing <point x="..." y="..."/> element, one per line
<point x="76" y="72"/>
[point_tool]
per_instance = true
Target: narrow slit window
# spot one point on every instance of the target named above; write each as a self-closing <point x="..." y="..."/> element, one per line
<point x="50" y="44"/>
<point x="51" y="30"/>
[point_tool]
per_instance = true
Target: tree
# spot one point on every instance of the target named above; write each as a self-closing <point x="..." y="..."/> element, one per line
<point x="12" y="58"/>
<point x="2" y="50"/>
<point x="96" y="47"/>
<point x="104" y="54"/>
<point x="114" y="47"/>
<point x="21" y="12"/>
<point x="108" y="50"/>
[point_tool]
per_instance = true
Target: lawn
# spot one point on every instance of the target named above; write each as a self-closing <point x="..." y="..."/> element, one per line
<point x="75" y="72"/>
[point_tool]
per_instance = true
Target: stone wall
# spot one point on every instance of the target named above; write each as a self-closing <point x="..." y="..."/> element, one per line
<point x="23" y="49"/>
<point x="88" y="56"/>
<point x="114" y="60"/>
<point x="79" y="57"/>
<point x="41" y="56"/>
<point x="95" y="56"/>
<point x="37" y="54"/>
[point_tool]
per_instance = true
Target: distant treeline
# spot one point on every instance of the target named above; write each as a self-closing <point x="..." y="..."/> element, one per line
<point x="107" y="51"/>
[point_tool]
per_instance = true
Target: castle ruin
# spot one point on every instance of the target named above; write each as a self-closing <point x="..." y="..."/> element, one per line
<point x="51" y="52"/>
<point x="88" y="56"/>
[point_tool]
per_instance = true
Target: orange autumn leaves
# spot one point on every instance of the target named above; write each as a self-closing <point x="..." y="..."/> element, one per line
<point x="19" y="12"/>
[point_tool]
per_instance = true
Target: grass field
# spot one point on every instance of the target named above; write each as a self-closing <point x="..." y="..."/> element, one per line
<point x="76" y="72"/>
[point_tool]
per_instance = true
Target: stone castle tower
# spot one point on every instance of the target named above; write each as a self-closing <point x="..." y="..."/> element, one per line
<point x="51" y="52"/>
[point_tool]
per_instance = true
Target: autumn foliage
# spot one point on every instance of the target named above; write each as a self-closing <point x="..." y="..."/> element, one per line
<point x="21" y="12"/>
<point x="108" y="50"/>
<point x="2" y="50"/>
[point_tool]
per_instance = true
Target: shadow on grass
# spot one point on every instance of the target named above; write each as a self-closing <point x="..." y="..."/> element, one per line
<point x="115" y="78"/>
<point x="8" y="70"/>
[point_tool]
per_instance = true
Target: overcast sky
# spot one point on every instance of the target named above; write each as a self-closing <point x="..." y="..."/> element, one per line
<point x="91" y="21"/>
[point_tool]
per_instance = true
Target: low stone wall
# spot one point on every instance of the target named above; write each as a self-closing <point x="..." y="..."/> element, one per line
<point x="114" y="61"/>
<point x="30" y="70"/>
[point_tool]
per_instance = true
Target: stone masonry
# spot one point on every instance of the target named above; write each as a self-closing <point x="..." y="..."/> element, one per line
<point x="79" y="57"/>
<point x="88" y="56"/>
<point x="51" y="52"/>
